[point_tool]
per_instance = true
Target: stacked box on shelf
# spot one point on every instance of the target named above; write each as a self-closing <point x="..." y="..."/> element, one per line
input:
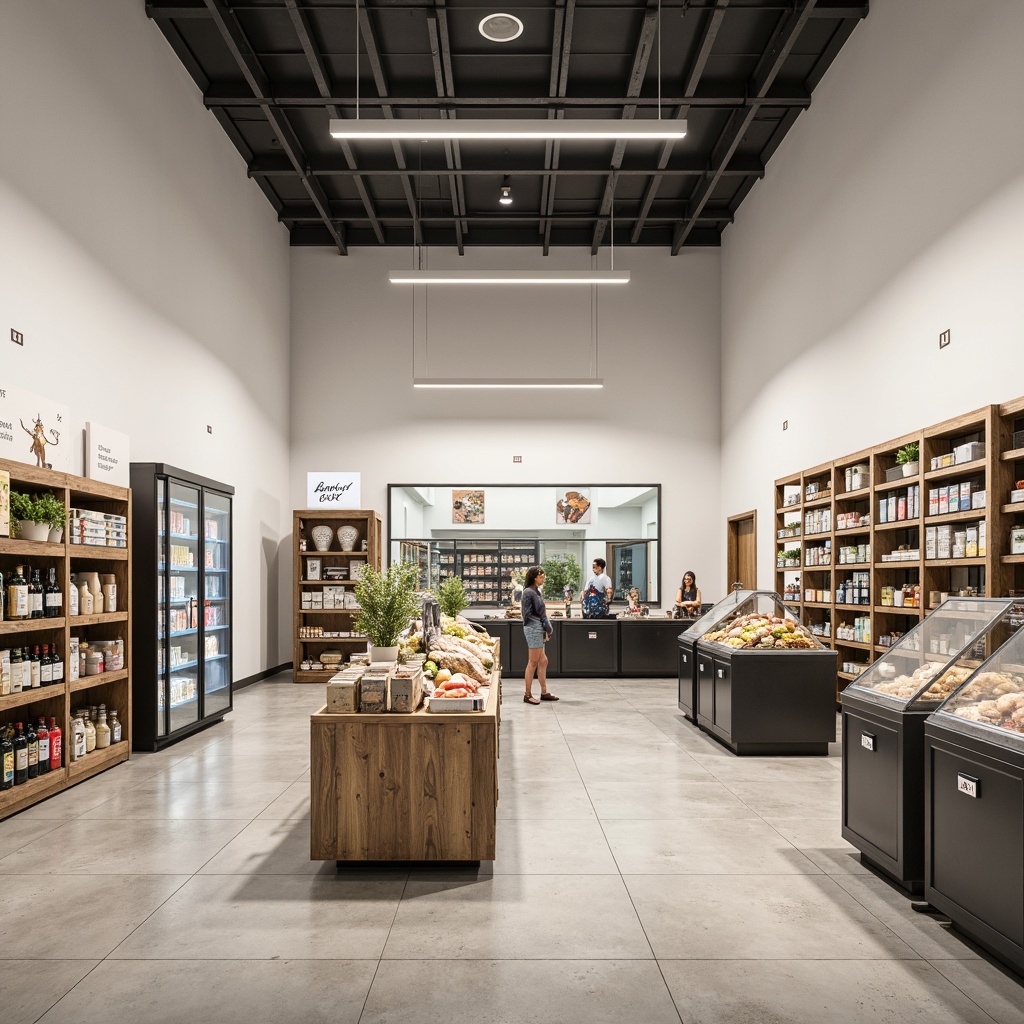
<point x="100" y="529"/>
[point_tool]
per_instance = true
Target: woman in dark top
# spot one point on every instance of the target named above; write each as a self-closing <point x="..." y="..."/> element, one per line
<point x="688" y="596"/>
<point x="537" y="628"/>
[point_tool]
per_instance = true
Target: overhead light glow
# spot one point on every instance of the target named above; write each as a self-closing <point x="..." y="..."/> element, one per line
<point x="359" y="130"/>
<point x="498" y="382"/>
<point x="500" y="28"/>
<point x="509" y="277"/>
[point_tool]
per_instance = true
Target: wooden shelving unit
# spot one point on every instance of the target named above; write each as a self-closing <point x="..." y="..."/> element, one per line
<point x="336" y="620"/>
<point x="815" y="589"/>
<point x="59" y="700"/>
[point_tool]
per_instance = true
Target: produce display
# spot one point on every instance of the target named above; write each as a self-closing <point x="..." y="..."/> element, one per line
<point x="995" y="698"/>
<point x="762" y="632"/>
<point x="454" y="686"/>
<point x="458" y="649"/>
<point x="939" y="688"/>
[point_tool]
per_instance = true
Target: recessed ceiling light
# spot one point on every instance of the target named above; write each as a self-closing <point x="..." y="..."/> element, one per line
<point x="501" y="28"/>
<point x="506" y="192"/>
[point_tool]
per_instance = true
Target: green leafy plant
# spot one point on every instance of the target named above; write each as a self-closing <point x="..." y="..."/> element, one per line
<point x="22" y="506"/>
<point x="387" y="601"/>
<point x="790" y="554"/>
<point x="908" y="453"/>
<point x="40" y="508"/>
<point x="561" y="571"/>
<point x="452" y="596"/>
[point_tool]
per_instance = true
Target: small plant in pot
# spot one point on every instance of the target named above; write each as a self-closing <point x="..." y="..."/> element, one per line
<point x="38" y="518"/>
<point x="452" y="596"/>
<point x="387" y="601"/>
<point x="907" y="457"/>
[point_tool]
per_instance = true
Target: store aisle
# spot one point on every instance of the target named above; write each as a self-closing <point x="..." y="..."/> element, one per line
<point x="643" y="874"/>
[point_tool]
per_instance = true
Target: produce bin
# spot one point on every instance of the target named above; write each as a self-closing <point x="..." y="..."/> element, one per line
<point x="648" y="646"/>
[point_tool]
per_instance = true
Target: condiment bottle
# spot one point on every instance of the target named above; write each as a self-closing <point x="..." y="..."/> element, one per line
<point x="115" y="726"/>
<point x="109" y="591"/>
<point x="90" y="736"/>
<point x="85" y="603"/>
<point x="78" y="747"/>
<point x="102" y="729"/>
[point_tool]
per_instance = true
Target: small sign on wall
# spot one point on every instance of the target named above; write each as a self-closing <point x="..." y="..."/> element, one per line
<point x="333" y="490"/>
<point x="106" y="455"/>
<point x="34" y="429"/>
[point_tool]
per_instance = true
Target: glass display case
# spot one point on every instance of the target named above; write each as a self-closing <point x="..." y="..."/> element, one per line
<point x="182" y="627"/>
<point x="883" y="719"/>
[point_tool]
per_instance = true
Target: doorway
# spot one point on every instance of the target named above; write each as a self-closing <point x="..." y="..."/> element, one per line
<point x="742" y="557"/>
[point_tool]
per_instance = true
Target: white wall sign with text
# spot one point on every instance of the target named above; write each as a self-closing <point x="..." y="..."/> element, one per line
<point x="333" y="490"/>
<point x="106" y="455"/>
<point x="34" y="429"/>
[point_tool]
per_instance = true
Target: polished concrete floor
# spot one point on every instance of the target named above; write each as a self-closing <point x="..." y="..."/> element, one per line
<point x="643" y="874"/>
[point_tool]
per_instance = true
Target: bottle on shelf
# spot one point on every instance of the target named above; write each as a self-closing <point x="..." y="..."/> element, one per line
<point x="45" y="668"/>
<point x="90" y="735"/>
<point x="17" y="676"/>
<point x="43" y="739"/>
<point x="73" y="596"/>
<point x="35" y="668"/>
<point x="56" y="666"/>
<point x="108" y="583"/>
<point x="115" y="726"/>
<point x="3" y="597"/>
<point x="32" y="742"/>
<point x="17" y="595"/>
<point x="78" y="729"/>
<point x="6" y="758"/>
<point x="35" y="596"/>
<point x="102" y="729"/>
<point x="20" y="744"/>
<point x="56" y="752"/>
<point x="84" y="599"/>
<point x="53" y="597"/>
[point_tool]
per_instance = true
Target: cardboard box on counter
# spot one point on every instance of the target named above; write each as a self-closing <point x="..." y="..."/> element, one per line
<point x="343" y="695"/>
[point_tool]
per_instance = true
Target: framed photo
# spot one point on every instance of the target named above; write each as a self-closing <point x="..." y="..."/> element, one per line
<point x="573" y="506"/>
<point x="312" y="568"/>
<point x="467" y="506"/>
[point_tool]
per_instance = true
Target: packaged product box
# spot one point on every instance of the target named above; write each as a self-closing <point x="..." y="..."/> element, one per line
<point x="5" y="673"/>
<point x="328" y="598"/>
<point x="968" y="452"/>
<point x="883" y="506"/>
<point x="943" y="541"/>
<point x="981" y="539"/>
<point x="978" y="499"/>
<point x="943" y="500"/>
<point x="317" y="601"/>
<point x="933" y="501"/>
<point x="342" y="695"/>
<point x="891" y="510"/>
<point x="1017" y="540"/>
<point x="5" y="503"/>
<point x="373" y="693"/>
<point x="971" y="547"/>
<point x="901" y="509"/>
<point x="954" y="498"/>
<point x="405" y="692"/>
<point x="306" y="601"/>
<point x="965" y="495"/>
<point x="1016" y="497"/>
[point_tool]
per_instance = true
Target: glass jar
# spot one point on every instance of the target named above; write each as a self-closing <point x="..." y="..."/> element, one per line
<point x="102" y="729"/>
<point x="90" y="736"/>
<point x="115" y="726"/>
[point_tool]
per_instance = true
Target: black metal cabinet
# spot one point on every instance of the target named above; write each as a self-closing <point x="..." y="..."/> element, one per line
<point x="705" y="687"/>
<point x="974" y="822"/>
<point x="688" y="677"/>
<point x="182" y="634"/>
<point x="588" y="647"/>
<point x="648" y="647"/>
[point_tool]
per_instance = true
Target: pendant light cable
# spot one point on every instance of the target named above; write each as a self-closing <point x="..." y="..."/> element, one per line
<point x="357" y="59"/>
<point x="659" y="58"/>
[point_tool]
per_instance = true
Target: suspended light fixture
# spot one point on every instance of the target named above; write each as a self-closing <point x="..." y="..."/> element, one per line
<point x="590" y="383"/>
<point x="506" y="192"/>
<point x="574" y="277"/>
<point x="506" y="129"/>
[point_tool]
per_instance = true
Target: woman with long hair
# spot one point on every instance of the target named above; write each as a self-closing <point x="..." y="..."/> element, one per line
<point x="688" y="596"/>
<point x="537" y="628"/>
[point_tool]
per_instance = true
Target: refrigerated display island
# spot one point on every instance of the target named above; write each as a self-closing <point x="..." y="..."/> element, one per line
<point x="182" y="671"/>
<point x="974" y="809"/>
<point x="764" y="684"/>
<point x="883" y="717"/>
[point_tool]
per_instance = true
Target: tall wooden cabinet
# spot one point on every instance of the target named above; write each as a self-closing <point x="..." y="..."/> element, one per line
<point x="323" y="602"/>
<point x="112" y="687"/>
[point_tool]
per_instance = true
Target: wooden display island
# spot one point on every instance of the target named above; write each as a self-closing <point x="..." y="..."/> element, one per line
<point x="393" y="787"/>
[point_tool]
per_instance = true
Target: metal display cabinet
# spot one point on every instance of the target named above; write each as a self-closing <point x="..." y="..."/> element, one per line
<point x="588" y="647"/>
<point x="648" y="647"/>
<point x="710" y="620"/>
<point x="182" y="580"/>
<point x="974" y="805"/>
<point x="883" y="716"/>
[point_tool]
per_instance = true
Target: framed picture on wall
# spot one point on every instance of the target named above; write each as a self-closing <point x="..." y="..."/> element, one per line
<point x="312" y="568"/>
<point x="467" y="506"/>
<point x="573" y="506"/>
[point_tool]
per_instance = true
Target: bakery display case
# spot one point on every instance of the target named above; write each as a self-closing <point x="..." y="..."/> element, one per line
<point x="765" y="685"/>
<point x="974" y="805"/>
<point x="883" y="717"/>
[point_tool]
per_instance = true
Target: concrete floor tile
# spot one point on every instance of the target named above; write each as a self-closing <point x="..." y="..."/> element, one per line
<point x="537" y="847"/>
<point x="790" y="799"/>
<point x="31" y="987"/>
<point x="758" y="917"/>
<point x="265" y="917"/>
<point x="664" y="797"/>
<point x="268" y="847"/>
<point x="292" y="803"/>
<point x="214" y="798"/>
<point x="96" y="912"/>
<point x="147" y="847"/>
<point x="998" y="991"/>
<point x="219" y="992"/>
<point x="821" y="841"/>
<point x="520" y="992"/>
<point x="817" y="992"/>
<point x="518" y="917"/>
<point x="703" y="846"/>
<point x="18" y="831"/>
<point x="543" y="798"/>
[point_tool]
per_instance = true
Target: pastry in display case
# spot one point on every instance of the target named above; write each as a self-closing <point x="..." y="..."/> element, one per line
<point x="883" y="719"/>
<point x="974" y="778"/>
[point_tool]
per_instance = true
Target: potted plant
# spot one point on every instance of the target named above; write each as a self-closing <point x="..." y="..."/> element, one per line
<point x="37" y="518"/>
<point x="907" y="457"/>
<point x="561" y="572"/>
<point x="387" y="602"/>
<point x="452" y="596"/>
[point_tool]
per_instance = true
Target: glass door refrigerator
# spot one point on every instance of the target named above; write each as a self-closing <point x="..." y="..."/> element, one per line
<point x="181" y="668"/>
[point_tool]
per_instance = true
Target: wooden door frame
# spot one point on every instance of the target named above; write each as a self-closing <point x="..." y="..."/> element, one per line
<point x="731" y="552"/>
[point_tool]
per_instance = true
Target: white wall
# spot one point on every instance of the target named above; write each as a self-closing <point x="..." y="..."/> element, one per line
<point x="149" y="277"/>
<point x="353" y="406"/>
<point x="893" y="211"/>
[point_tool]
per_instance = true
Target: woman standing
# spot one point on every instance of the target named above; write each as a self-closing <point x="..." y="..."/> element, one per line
<point x="688" y="596"/>
<point x="537" y="628"/>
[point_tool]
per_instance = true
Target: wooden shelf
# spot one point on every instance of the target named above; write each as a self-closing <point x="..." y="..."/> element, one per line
<point x="865" y="608"/>
<point x="88" y="682"/>
<point x="891" y="609"/>
<point x="849" y="676"/>
<point x="900" y="524"/>
<point x="1012" y="455"/>
<point x="334" y="554"/>
<point x="32" y="791"/>
<point x="852" y="643"/>
<point x="812" y="604"/>
<point x="331" y="640"/>
<point x="952" y="563"/>
<point x="30" y="548"/>
<point x="1012" y="559"/>
<point x="848" y="531"/>
<point x="328" y="611"/>
<point x="1017" y="506"/>
<point x="30" y="625"/>
<point x="818" y="502"/>
<point x="91" y="551"/>
<point x="17" y="700"/>
<point x="327" y="583"/>
<point x="98" y="760"/>
<point x="955" y="517"/>
<point x="816" y="568"/>
<point x="863" y="492"/>
<point x="95" y="620"/>
<point x="964" y="468"/>
<point x="906" y="563"/>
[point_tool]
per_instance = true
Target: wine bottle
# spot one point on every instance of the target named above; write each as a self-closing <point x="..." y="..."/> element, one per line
<point x="17" y="679"/>
<point x="45" y="668"/>
<point x="6" y="759"/>
<point x="56" y="666"/>
<point x="43" y="739"/>
<point x="53" y="599"/>
<point x="56" y="752"/>
<point x="35" y="596"/>
<point x="17" y="595"/>
<point x="32" y="745"/>
<point x="20" y="745"/>
<point x="35" y="668"/>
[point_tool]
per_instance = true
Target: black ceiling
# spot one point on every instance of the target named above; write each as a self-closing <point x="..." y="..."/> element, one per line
<point x="274" y="72"/>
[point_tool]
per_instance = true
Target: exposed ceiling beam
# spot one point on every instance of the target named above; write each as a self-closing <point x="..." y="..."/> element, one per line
<point x="561" y="46"/>
<point x="250" y="67"/>
<point x="301" y="213"/>
<point x="437" y="29"/>
<point x="320" y="75"/>
<point x="774" y="57"/>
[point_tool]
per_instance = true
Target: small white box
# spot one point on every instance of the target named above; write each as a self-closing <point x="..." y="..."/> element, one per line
<point x="982" y="529"/>
<point x="1017" y="540"/>
<point x="968" y="452"/>
<point x="930" y="542"/>
<point x="306" y="600"/>
<point x="328" y="598"/>
<point x="317" y="601"/>
<point x="1016" y="497"/>
<point x="978" y="499"/>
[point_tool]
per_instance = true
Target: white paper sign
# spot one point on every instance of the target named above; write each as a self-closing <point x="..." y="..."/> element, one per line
<point x="333" y="490"/>
<point x="106" y="455"/>
<point x="34" y="429"/>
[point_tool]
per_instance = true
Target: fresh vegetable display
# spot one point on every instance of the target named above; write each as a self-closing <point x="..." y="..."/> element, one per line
<point x="454" y="686"/>
<point x="763" y="633"/>
<point x="458" y="648"/>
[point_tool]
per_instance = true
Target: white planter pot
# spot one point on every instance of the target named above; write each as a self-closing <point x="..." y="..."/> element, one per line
<point x="55" y="536"/>
<point x="382" y="653"/>
<point x="33" y="531"/>
<point x="910" y="468"/>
